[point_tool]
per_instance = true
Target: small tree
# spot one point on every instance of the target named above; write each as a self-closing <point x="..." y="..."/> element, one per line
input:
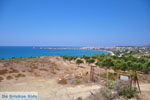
<point x="90" y="61"/>
<point x="99" y="64"/>
<point x="107" y="63"/>
<point x="146" y="67"/>
<point x="65" y="57"/>
<point x="79" y="61"/>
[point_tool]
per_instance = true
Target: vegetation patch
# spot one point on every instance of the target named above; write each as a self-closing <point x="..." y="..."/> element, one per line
<point x="114" y="90"/>
<point x="23" y="71"/>
<point x="9" y="77"/>
<point x="19" y="75"/>
<point x="43" y="69"/>
<point x="77" y="81"/>
<point x="13" y="70"/>
<point x="110" y="84"/>
<point x="110" y="76"/>
<point x="37" y="75"/>
<point x="3" y="71"/>
<point x="6" y="64"/>
<point x="35" y="67"/>
<point x="1" y="78"/>
<point x="79" y="61"/>
<point x="62" y="81"/>
<point x="128" y="92"/>
<point x="30" y="70"/>
<point x="53" y="72"/>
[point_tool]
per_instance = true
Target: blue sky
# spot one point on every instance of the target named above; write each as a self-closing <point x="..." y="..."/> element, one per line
<point x="74" y="22"/>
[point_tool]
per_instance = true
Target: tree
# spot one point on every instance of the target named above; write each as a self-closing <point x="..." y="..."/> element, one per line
<point x="146" y="67"/>
<point x="123" y="66"/>
<point x="107" y="63"/>
<point x="90" y="61"/>
<point x="117" y="65"/>
<point x="99" y="64"/>
<point x="70" y="58"/>
<point x="79" y="61"/>
<point x="65" y="58"/>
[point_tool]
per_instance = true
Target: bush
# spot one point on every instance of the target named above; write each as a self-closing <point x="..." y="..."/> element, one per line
<point x="110" y="76"/>
<point x="120" y="84"/>
<point x="128" y="92"/>
<point x="3" y="71"/>
<point x="9" y="77"/>
<point x="118" y="90"/>
<point x="79" y="61"/>
<point x="43" y="69"/>
<point x="62" y="81"/>
<point x="13" y="70"/>
<point x="19" y="75"/>
<point x="1" y="78"/>
<point x="37" y="75"/>
<point x="107" y="94"/>
<point x="110" y="84"/>
<point x="77" y="81"/>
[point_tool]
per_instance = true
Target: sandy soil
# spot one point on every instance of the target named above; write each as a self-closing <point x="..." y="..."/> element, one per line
<point x="50" y="90"/>
<point x="145" y="88"/>
<point x="42" y="74"/>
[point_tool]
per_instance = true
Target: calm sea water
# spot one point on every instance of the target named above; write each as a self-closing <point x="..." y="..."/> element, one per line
<point x="7" y="52"/>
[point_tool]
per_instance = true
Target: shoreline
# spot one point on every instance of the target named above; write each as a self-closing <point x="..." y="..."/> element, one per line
<point x="59" y="52"/>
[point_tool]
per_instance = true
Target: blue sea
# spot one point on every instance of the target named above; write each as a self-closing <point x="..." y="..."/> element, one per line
<point x="7" y="52"/>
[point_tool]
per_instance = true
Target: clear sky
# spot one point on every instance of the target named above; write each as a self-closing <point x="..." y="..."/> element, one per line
<point x="74" y="22"/>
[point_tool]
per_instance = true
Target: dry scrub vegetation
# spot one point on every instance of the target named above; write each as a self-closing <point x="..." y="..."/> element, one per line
<point x="71" y="72"/>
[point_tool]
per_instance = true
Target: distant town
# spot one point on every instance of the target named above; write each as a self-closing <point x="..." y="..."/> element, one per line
<point x="138" y="51"/>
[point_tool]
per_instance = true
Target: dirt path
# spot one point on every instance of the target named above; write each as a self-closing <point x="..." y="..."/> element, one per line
<point x="50" y="90"/>
<point x="145" y="88"/>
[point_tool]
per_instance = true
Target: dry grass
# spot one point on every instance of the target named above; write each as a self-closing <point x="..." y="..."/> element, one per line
<point x="43" y="69"/>
<point x="19" y="75"/>
<point x="37" y="75"/>
<point x="57" y="68"/>
<point x="67" y="69"/>
<point x="30" y="70"/>
<point x="79" y="98"/>
<point x="77" y="81"/>
<point x="35" y="67"/>
<point x="4" y="71"/>
<point x="62" y="81"/>
<point x="23" y="71"/>
<point x="1" y="78"/>
<point x="9" y="77"/>
<point x="53" y="72"/>
<point x="6" y="64"/>
<point x="13" y="71"/>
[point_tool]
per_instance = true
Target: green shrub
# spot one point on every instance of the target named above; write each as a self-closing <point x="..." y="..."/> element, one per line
<point x="107" y="94"/>
<point x="128" y="92"/>
<point x="77" y="81"/>
<point x="110" y="84"/>
<point x="110" y="76"/>
<point x="79" y="61"/>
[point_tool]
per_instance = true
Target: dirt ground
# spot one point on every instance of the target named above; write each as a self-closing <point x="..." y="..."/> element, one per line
<point x="42" y="74"/>
<point x="50" y="89"/>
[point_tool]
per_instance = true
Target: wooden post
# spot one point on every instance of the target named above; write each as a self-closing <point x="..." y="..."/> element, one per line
<point x="137" y="82"/>
<point x="138" y="85"/>
<point x="92" y="73"/>
<point x="135" y="79"/>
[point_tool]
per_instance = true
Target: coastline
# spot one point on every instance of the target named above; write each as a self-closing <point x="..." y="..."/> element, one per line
<point x="85" y="48"/>
<point x="24" y="52"/>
